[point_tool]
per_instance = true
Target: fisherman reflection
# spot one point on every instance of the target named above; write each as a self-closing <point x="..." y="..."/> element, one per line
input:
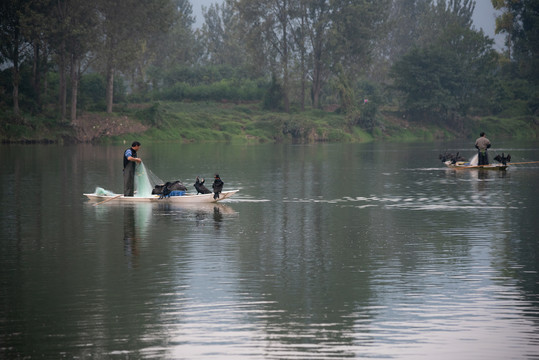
<point x="482" y="175"/>
<point x="130" y="236"/>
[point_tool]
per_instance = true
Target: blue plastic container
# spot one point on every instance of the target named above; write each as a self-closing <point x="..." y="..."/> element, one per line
<point x="177" y="193"/>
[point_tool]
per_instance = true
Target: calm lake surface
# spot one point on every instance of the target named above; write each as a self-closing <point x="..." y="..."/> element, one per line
<point x="328" y="251"/>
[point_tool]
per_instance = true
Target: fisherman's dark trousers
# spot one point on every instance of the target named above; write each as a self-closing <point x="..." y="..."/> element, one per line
<point x="482" y="158"/>
<point x="129" y="179"/>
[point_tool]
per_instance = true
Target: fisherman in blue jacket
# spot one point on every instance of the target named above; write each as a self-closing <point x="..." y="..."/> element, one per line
<point x="130" y="161"/>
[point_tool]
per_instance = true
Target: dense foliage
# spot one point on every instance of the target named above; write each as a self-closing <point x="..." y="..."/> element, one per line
<point x="424" y="58"/>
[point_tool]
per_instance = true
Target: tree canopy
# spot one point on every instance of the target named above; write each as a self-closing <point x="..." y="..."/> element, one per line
<point x="424" y="56"/>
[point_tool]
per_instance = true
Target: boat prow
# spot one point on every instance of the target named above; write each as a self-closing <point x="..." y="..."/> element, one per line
<point x="461" y="165"/>
<point x="187" y="198"/>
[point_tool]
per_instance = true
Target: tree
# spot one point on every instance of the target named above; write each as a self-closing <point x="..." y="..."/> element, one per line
<point x="125" y="28"/>
<point x="442" y="14"/>
<point x="346" y="92"/>
<point x="519" y="20"/>
<point x="317" y="15"/>
<point x="176" y="42"/>
<point x="400" y="32"/>
<point x="72" y="36"/>
<point x="339" y="40"/>
<point x="58" y="33"/>
<point x="356" y="26"/>
<point x="447" y="77"/>
<point x="314" y="36"/>
<point x="12" y="42"/>
<point x="37" y="22"/>
<point x="177" y="47"/>
<point x="267" y="22"/>
<point x="449" y="73"/>
<point x="67" y="30"/>
<point x="222" y="36"/>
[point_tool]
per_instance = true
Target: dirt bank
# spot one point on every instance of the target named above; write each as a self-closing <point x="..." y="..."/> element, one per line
<point x="90" y="127"/>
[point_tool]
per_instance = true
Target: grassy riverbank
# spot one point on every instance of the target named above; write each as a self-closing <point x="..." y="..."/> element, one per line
<point x="247" y="123"/>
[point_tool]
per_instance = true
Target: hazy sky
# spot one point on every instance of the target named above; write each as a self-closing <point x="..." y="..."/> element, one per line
<point x="197" y="9"/>
<point x="484" y="17"/>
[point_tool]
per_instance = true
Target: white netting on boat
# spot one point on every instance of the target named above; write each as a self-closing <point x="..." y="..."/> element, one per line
<point x="474" y="160"/>
<point x="102" y="192"/>
<point x="142" y="182"/>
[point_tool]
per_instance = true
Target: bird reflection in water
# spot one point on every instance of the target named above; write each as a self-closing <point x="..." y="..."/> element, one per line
<point x="217" y="217"/>
<point x="131" y="239"/>
<point x="203" y="213"/>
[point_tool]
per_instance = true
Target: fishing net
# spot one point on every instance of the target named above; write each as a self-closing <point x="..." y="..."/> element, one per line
<point x="154" y="179"/>
<point x="102" y="192"/>
<point x="145" y="182"/>
<point x="142" y="181"/>
<point x="474" y="160"/>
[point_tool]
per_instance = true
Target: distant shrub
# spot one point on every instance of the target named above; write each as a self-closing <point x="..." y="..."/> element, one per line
<point x="92" y="92"/>
<point x="224" y="89"/>
<point x="231" y="127"/>
<point x="273" y="97"/>
<point x="153" y="116"/>
<point x="336" y="135"/>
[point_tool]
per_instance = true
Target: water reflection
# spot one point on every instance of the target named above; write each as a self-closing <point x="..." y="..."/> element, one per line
<point x="139" y="218"/>
<point x="131" y="238"/>
<point x="354" y="255"/>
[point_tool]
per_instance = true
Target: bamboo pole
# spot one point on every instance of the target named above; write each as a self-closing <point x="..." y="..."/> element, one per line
<point x="104" y="201"/>
<point x="524" y="162"/>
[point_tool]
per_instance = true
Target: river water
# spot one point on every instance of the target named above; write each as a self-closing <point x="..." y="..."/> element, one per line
<point x="327" y="251"/>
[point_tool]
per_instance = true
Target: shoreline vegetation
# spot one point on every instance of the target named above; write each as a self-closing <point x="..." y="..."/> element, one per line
<point x="244" y="123"/>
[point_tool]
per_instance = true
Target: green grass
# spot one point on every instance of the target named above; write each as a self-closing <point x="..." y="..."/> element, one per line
<point x="521" y="127"/>
<point x="248" y="123"/>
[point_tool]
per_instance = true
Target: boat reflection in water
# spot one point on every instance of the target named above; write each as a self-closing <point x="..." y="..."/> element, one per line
<point x="199" y="212"/>
<point x="138" y="218"/>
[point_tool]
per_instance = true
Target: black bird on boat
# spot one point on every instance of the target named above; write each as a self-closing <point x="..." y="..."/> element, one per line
<point x="503" y="159"/>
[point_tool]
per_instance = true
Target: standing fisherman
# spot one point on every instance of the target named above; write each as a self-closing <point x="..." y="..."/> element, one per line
<point x="482" y="144"/>
<point x="130" y="160"/>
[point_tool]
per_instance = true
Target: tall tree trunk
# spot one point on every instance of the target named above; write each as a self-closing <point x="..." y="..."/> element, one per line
<point x="286" y="85"/>
<point x="110" y="88"/>
<point x="63" y="86"/>
<point x="45" y="55"/>
<point x="45" y="82"/>
<point x="316" y="85"/>
<point x="303" y="66"/>
<point x="74" y="86"/>
<point x="16" y="74"/>
<point x="36" y="74"/>
<point x="303" y="81"/>
<point x="317" y="69"/>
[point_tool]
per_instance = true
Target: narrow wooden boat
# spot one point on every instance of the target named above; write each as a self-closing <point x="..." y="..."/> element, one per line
<point x="187" y="198"/>
<point x="461" y="165"/>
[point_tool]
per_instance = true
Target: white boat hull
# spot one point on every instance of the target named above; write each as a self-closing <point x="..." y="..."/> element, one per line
<point x="200" y="198"/>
